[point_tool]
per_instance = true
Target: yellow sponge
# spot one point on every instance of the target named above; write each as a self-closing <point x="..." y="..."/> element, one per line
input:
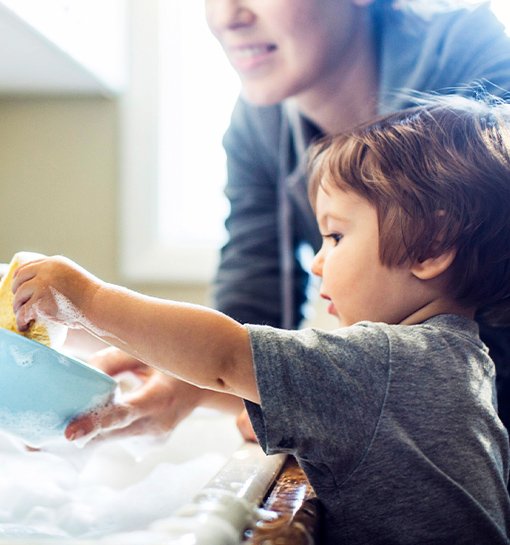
<point x="37" y="331"/>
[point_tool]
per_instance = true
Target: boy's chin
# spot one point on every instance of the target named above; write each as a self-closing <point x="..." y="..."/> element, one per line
<point x="342" y="322"/>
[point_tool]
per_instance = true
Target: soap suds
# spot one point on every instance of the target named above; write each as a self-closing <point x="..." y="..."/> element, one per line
<point x="23" y="358"/>
<point x="33" y="425"/>
<point x="110" y="488"/>
<point x="68" y="314"/>
<point x="39" y="429"/>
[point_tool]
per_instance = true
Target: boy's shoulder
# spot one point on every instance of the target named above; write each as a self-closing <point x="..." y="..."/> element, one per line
<point x="374" y="337"/>
<point x="447" y="337"/>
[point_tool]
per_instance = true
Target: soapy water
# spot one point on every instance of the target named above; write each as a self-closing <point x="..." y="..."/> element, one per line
<point x="42" y="428"/>
<point x="123" y="487"/>
<point x="68" y="314"/>
<point x="57" y="333"/>
<point x="30" y="424"/>
<point x="23" y="358"/>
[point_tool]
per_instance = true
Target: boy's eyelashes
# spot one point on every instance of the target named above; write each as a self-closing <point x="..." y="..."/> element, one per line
<point x="335" y="237"/>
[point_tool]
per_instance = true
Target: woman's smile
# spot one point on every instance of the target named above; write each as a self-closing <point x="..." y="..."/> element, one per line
<point x="246" y="58"/>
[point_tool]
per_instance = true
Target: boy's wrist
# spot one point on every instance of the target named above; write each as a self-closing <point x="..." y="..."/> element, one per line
<point x="89" y="301"/>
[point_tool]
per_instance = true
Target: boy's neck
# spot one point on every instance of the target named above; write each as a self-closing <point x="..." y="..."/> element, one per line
<point x="437" y="307"/>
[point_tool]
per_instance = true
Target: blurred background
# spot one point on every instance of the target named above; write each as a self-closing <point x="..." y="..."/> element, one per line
<point x="111" y="116"/>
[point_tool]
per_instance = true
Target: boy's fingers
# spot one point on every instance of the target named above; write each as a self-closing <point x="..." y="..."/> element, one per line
<point x="22" y="274"/>
<point x="22" y="295"/>
<point x="25" y="315"/>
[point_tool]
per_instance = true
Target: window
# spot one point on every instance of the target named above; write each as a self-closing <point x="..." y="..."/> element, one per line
<point x="502" y="9"/>
<point x="180" y="97"/>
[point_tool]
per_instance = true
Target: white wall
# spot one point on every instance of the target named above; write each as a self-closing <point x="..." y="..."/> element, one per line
<point x="59" y="180"/>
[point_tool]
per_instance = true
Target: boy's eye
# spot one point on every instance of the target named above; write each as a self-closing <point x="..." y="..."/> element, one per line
<point x="335" y="237"/>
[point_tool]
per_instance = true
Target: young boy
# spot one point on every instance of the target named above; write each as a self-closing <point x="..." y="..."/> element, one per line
<point x="392" y="416"/>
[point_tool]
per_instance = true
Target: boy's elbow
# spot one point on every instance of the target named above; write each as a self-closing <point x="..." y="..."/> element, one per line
<point x="226" y="378"/>
<point x="237" y="378"/>
<point x="222" y="386"/>
<point x="234" y="372"/>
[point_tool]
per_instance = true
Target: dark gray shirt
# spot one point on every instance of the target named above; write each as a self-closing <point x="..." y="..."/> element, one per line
<point x="261" y="278"/>
<point x="395" y="426"/>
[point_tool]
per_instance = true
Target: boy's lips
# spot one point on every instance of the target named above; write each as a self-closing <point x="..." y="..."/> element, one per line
<point x="331" y="306"/>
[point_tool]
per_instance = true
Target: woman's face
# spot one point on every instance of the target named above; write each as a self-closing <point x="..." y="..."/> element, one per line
<point x="283" y="48"/>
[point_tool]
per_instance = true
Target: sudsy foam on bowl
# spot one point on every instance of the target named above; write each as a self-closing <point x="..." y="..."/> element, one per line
<point x="41" y="389"/>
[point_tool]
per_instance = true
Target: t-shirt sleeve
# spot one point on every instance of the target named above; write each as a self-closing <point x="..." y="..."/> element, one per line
<point x="321" y="393"/>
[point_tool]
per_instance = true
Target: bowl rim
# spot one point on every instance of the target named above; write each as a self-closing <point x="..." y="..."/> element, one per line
<point x="53" y="352"/>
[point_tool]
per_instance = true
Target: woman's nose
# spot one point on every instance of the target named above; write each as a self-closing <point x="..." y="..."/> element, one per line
<point x="227" y="14"/>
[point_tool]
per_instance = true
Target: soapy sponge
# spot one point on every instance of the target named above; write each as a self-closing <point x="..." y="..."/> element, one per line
<point x="40" y="331"/>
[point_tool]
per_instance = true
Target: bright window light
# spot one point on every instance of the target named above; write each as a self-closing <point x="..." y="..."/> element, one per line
<point x="176" y="110"/>
<point x="177" y="107"/>
<point x="502" y="9"/>
<point x="198" y="91"/>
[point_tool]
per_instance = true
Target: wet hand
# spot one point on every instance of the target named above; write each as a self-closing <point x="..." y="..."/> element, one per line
<point x="158" y="404"/>
<point x="52" y="288"/>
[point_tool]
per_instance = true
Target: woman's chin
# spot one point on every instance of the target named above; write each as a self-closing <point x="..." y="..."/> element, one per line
<point x="258" y="94"/>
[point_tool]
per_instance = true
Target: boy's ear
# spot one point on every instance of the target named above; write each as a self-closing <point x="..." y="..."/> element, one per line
<point x="432" y="267"/>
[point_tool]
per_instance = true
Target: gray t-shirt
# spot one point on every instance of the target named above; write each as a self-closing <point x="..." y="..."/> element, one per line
<point x="395" y="426"/>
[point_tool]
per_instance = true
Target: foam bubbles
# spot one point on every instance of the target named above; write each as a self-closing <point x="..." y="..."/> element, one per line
<point x="23" y="358"/>
<point x="110" y="488"/>
<point x="70" y="315"/>
<point x="57" y="334"/>
<point x="33" y="425"/>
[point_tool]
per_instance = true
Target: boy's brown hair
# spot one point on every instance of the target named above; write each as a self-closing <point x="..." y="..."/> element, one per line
<point x="439" y="177"/>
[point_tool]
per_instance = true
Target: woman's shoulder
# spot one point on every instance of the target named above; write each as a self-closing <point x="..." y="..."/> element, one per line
<point x="440" y="50"/>
<point x="257" y="117"/>
<point x="252" y="125"/>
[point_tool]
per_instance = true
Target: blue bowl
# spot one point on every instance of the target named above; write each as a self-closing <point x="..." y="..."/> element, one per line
<point x="42" y="390"/>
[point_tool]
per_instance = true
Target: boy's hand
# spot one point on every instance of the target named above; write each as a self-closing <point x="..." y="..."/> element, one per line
<point x="53" y="288"/>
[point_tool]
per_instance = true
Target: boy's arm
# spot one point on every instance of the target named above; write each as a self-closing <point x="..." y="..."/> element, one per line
<point x="156" y="407"/>
<point x="197" y="344"/>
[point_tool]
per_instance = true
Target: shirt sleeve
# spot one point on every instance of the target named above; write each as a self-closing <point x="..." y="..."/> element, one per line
<point x="321" y="393"/>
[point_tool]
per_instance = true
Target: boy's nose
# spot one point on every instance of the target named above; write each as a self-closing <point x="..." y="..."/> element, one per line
<point x="228" y="14"/>
<point x="317" y="264"/>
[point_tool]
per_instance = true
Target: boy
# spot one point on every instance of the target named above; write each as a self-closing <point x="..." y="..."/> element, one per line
<point x="392" y="416"/>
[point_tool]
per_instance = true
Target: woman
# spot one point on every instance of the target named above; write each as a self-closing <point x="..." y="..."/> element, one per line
<point x="307" y="68"/>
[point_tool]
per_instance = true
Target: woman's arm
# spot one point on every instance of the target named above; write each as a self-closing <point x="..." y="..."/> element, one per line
<point x="156" y="405"/>
<point x="247" y="285"/>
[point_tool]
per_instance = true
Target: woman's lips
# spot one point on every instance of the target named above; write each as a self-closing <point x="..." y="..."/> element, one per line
<point x="249" y="57"/>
